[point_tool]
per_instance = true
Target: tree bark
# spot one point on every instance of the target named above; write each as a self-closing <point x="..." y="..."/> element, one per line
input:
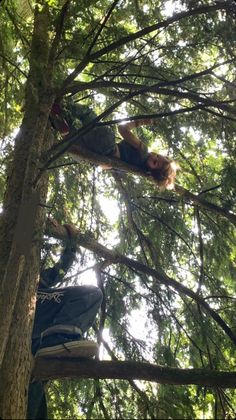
<point x="22" y="229"/>
<point x="76" y="368"/>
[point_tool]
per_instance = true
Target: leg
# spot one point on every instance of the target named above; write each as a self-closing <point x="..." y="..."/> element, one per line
<point x="37" y="405"/>
<point x="100" y="140"/>
<point x="72" y="306"/>
<point x="63" y="315"/>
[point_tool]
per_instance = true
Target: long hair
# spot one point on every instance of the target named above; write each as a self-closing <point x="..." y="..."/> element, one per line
<point x="165" y="176"/>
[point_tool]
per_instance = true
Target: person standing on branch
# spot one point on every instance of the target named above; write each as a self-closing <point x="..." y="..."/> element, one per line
<point x="101" y="140"/>
<point x="62" y="317"/>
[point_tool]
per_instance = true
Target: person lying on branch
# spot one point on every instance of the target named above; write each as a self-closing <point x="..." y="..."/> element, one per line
<point x="101" y="140"/>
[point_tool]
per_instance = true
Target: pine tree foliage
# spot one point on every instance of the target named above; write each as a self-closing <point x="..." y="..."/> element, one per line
<point x="174" y="62"/>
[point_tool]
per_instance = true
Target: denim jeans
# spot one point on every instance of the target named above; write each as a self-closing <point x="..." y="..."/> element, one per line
<point x="60" y="310"/>
<point x="66" y="310"/>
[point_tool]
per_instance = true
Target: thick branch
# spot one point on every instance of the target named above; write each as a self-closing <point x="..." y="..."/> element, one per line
<point x="85" y="154"/>
<point x="56" y="369"/>
<point x="54" y="229"/>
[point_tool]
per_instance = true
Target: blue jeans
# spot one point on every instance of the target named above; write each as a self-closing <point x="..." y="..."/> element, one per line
<point x="69" y="310"/>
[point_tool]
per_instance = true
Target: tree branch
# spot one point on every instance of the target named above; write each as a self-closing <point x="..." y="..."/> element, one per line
<point x="103" y="24"/>
<point x="48" y="369"/>
<point x="79" y="86"/>
<point x="84" y="240"/>
<point x="160" y="90"/>
<point x="84" y="154"/>
<point x="187" y="195"/>
<point x="227" y="5"/>
<point x="59" y="28"/>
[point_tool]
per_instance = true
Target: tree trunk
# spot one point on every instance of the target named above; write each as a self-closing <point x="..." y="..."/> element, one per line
<point x="21" y="231"/>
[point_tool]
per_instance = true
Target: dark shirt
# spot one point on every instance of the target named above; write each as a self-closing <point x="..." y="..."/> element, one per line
<point x="129" y="154"/>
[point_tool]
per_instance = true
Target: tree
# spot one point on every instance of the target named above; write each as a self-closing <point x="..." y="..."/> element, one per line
<point x="126" y="60"/>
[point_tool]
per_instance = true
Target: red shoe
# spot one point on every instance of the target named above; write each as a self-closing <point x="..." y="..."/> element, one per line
<point x="58" y="121"/>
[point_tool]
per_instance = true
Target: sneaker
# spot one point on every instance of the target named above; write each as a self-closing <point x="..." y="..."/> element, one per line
<point x="58" y="338"/>
<point x="79" y="348"/>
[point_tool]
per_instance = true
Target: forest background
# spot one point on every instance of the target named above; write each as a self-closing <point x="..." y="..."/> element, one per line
<point x="165" y="260"/>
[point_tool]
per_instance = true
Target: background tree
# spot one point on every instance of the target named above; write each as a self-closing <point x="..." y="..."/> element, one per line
<point x="165" y="260"/>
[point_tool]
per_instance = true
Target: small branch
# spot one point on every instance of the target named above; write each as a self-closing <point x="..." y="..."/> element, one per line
<point x="205" y="204"/>
<point x="102" y="26"/>
<point x="18" y="31"/>
<point x="59" y="29"/>
<point x="155" y="216"/>
<point x="201" y="253"/>
<point x="175" y="148"/>
<point x="232" y="85"/>
<point x="96" y="84"/>
<point x="141" y="33"/>
<point x="13" y="65"/>
<point x="154" y="116"/>
<point x="209" y="189"/>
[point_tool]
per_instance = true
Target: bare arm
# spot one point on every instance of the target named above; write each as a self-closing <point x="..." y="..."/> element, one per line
<point x="129" y="136"/>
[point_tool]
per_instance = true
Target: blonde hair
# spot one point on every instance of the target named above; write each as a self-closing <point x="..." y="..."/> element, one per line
<point x="165" y="176"/>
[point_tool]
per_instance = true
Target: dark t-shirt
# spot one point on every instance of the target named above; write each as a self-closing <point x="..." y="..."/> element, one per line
<point x="129" y="154"/>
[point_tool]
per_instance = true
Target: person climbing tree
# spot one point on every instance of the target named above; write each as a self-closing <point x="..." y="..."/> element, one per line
<point x="101" y="140"/>
<point x="62" y="316"/>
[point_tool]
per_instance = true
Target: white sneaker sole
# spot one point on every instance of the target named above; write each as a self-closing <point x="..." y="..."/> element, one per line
<point x="84" y="349"/>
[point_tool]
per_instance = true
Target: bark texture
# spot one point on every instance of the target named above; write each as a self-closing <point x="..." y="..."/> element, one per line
<point x="21" y="231"/>
<point x="68" y="368"/>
